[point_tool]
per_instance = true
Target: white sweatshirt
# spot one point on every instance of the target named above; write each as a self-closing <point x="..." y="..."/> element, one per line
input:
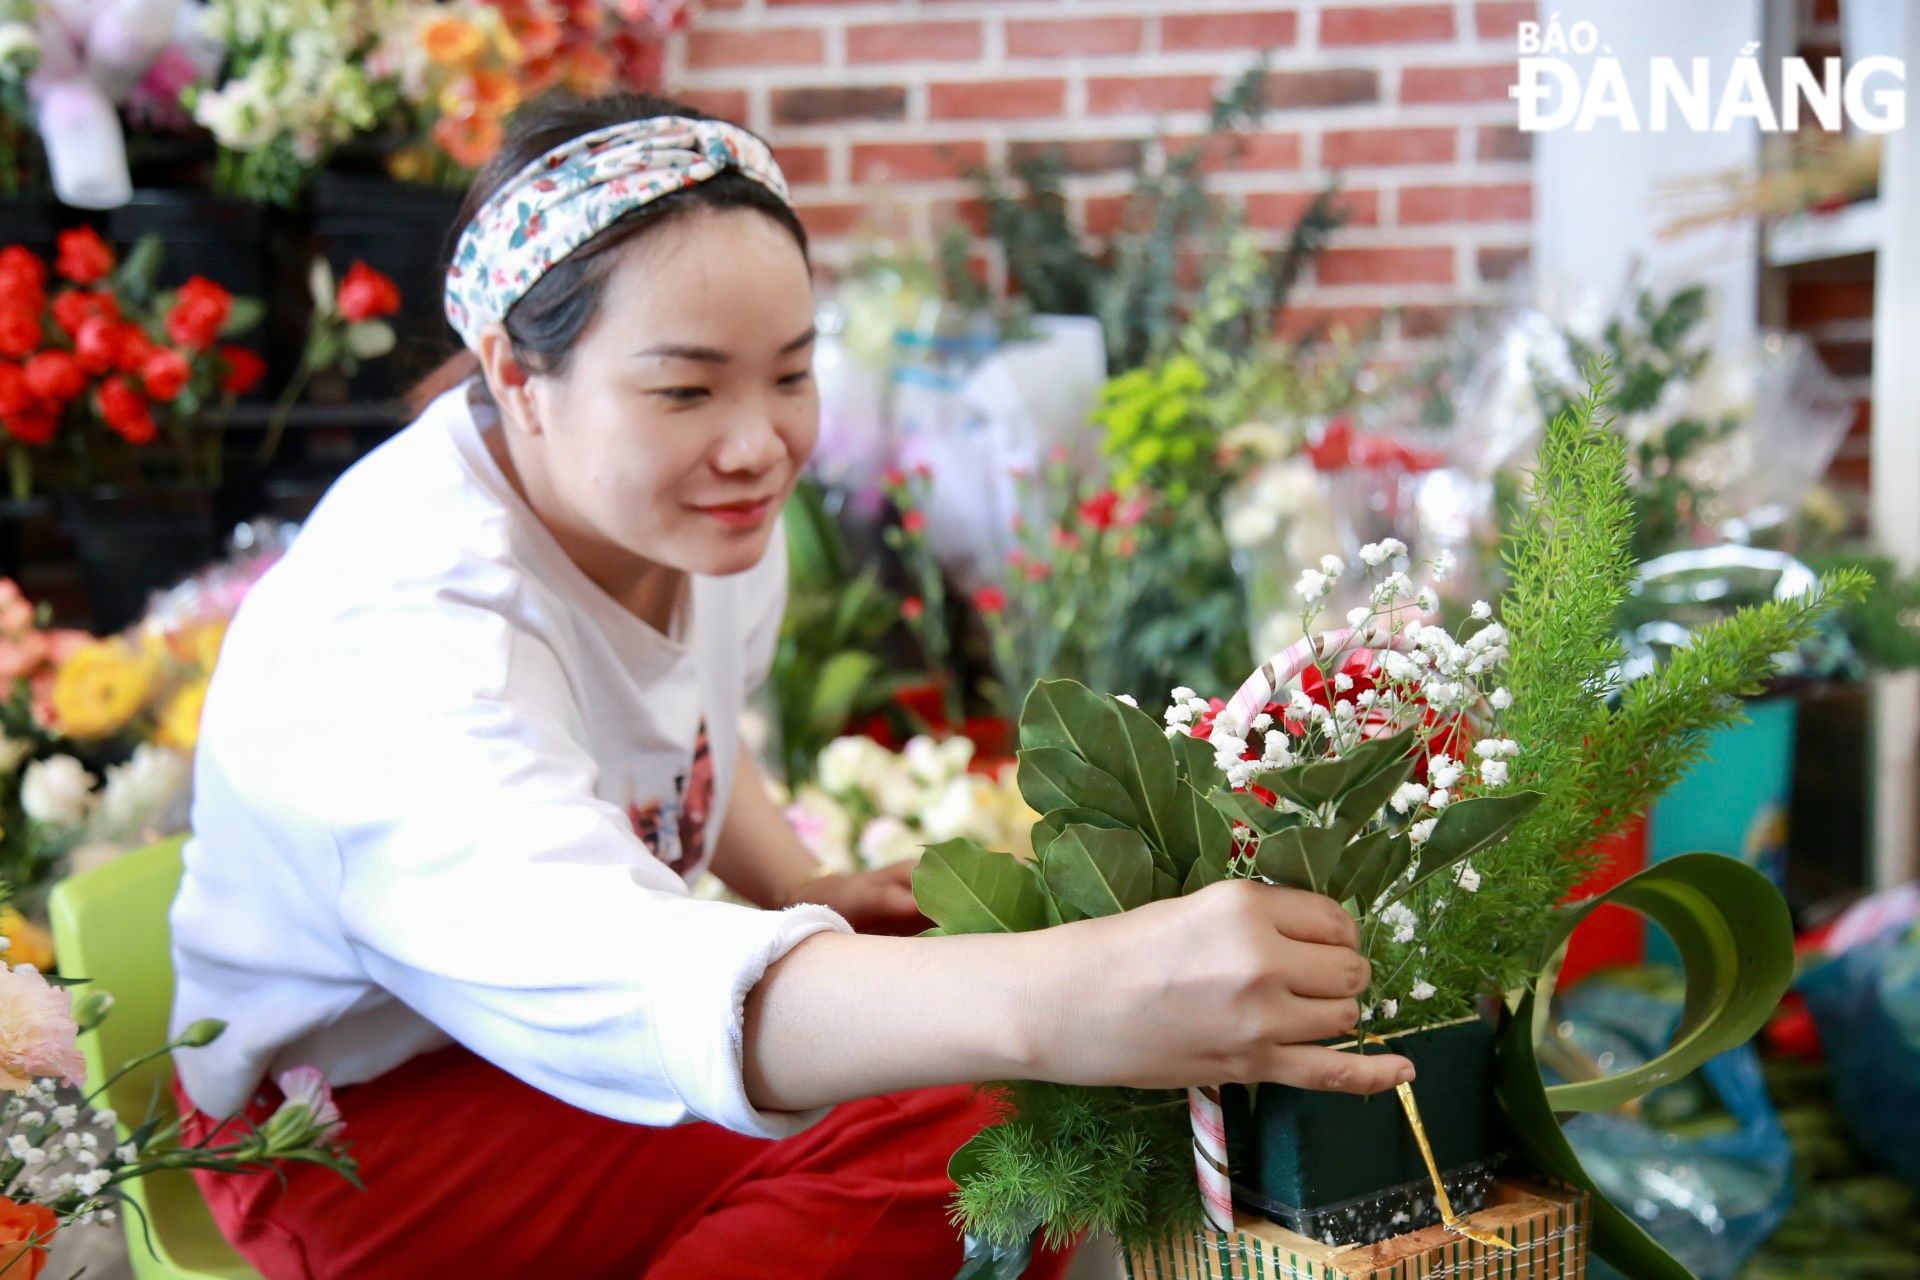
<point x="447" y="789"/>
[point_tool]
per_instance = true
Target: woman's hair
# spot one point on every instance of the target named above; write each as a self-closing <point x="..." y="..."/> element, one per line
<point x="549" y="318"/>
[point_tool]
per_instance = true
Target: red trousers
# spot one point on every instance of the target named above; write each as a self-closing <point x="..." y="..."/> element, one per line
<point x="473" y="1175"/>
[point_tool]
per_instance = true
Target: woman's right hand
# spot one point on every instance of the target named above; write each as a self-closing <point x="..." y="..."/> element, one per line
<point x="1232" y="983"/>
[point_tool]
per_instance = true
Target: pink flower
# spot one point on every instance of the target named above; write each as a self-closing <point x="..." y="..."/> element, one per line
<point x="16" y="611"/>
<point x="306" y="1087"/>
<point x="21" y="656"/>
<point x="62" y="644"/>
<point x="37" y="1031"/>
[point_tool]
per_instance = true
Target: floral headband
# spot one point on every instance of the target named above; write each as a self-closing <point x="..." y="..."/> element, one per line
<point x="567" y="196"/>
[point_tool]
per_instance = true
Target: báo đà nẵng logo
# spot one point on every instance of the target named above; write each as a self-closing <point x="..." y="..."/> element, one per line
<point x="1567" y="79"/>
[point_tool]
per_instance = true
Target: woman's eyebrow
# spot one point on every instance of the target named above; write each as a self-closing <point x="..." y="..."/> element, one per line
<point x="713" y="355"/>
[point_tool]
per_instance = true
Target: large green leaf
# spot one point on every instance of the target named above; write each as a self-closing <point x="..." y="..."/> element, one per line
<point x="1099" y="871"/>
<point x="1193" y="760"/>
<point x="1465" y="828"/>
<point x="1241" y="806"/>
<point x="1055" y="778"/>
<point x="1301" y="857"/>
<point x="1206" y="869"/>
<point x="1367" y="797"/>
<point x="1200" y="830"/>
<point x="963" y="888"/>
<point x="1050" y="825"/>
<point x="1364" y="863"/>
<point x="1324" y="781"/>
<point x="1735" y="941"/>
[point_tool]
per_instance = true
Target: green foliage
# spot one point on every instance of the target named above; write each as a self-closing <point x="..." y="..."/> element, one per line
<point x="1158" y="431"/>
<point x="1884" y="624"/>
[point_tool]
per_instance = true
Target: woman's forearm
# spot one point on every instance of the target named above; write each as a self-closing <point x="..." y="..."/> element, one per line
<point x="845" y="1016"/>
<point x="756" y="853"/>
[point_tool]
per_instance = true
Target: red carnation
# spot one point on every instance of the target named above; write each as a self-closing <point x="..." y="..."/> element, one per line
<point x="126" y="411"/>
<point x="97" y="345"/>
<point x="19" y="330"/>
<point x="72" y="308"/>
<point x="990" y="601"/>
<point x="14" y="396"/>
<point x="199" y="311"/>
<point x="366" y="294"/>
<point x="1097" y="511"/>
<point x="165" y="374"/>
<point x="55" y="376"/>
<point x="244" y="370"/>
<point x="22" y="275"/>
<point x="911" y="608"/>
<point x="894" y="478"/>
<point x="33" y="425"/>
<point x="84" y="257"/>
<point x="913" y="522"/>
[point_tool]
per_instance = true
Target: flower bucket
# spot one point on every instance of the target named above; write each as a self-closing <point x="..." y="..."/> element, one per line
<point x="1347" y="1170"/>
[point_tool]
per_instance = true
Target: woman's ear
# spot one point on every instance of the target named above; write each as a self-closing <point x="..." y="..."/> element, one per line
<point x="508" y="380"/>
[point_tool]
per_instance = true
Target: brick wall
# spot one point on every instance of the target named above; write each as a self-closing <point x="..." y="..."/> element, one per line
<point x="1408" y="103"/>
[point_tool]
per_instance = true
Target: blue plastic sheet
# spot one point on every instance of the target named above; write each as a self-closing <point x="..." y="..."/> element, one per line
<point x="1866" y="1003"/>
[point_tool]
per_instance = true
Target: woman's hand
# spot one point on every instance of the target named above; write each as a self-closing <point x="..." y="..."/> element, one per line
<point x="1233" y="983"/>
<point x="871" y="901"/>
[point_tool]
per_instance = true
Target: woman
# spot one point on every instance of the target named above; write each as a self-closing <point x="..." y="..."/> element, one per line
<point x="457" y="768"/>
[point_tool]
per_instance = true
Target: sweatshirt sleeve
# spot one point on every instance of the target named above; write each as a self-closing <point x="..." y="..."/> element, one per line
<point x="485" y="885"/>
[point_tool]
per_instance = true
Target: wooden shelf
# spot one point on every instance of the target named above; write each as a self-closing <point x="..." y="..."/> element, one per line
<point x="1816" y="237"/>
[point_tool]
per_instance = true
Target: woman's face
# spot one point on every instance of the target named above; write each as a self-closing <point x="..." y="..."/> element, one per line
<point x="688" y="407"/>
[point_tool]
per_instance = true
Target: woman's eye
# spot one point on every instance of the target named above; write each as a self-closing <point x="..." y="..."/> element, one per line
<point x="682" y="395"/>
<point x="797" y="379"/>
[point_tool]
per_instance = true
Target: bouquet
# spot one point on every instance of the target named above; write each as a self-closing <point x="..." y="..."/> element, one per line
<point x="1443" y="785"/>
<point x="103" y="376"/>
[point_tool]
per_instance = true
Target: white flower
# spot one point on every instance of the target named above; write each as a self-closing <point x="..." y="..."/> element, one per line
<point x="1277" y="751"/>
<point x="1427" y="601"/>
<point x="1422" y="990"/>
<point x="90" y="1184"/>
<point x="925" y="761"/>
<point x="844" y="762"/>
<point x="1420" y="832"/>
<point x="1439" y="799"/>
<point x="1357" y="616"/>
<point x="1342" y="682"/>
<point x="1373" y="555"/>
<point x="126" y="1154"/>
<point x="1366" y="1013"/>
<point x="1312" y="586"/>
<point x="1466" y="877"/>
<point x="58" y="790"/>
<point x="1493" y="773"/>
<point x="1300" y="706"/>
<point x="1183" y="694"/>
<point x="105" y="1116"/>
<point x="1407" y="797"/>
<point x="887" y="840"/>
<point x="1391" y="588"/>
<point x="1496" y="748"/>
<point x="1262" y="722"/>
<point x="1442" y="771"/>
<point x="963" y="808"/>
<point x="1500" y="699"/>
<point x="19" y="44"/>
<point x="1443" y="565"/>
<point x="1482" y="610"/>
<point x="1398" y="666"/>
<point x="1400" y="918"/>
<point x="1127" y="698"/>
<point x="1390" y="1008"/>
<point x="1332" y="566"/>
<point x="143" y="798"/>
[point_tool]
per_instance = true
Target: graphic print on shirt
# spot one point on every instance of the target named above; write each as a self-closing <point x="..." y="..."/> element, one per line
<point x="675" y="827"/>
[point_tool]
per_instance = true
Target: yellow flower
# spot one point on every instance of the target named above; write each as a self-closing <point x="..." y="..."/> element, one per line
<point x="101" y="687"/>
<point x="180" y="719"/>
<point x="32" y="944"/>
<point x="199" y="645"/>
<point x="451" y="42"/>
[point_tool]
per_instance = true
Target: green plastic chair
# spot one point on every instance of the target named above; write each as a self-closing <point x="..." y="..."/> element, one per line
<point x="110" y="926"/>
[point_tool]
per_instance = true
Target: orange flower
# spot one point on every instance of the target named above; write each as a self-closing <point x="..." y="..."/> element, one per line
<point x="494" y="92"/>
<point x="470" y="140"/>
<point x="590" y="74"/>
<point x="25" y="1230"/>
<point x="537" y="34"/>
<point x="451" y="42"/>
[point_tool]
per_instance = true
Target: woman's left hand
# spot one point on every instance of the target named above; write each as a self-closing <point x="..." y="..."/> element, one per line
<point x="872" y="901"/>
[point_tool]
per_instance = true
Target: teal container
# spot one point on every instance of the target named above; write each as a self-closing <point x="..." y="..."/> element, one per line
<point x="1346" y="1170"/>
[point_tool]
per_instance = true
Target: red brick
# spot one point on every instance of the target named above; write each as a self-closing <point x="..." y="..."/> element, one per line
<point x="1281" y="210"/>
<point x="1233" y="153"/>
<point x="1324" y="87"/>
<point x="1064" y="37"/>
<point x="1503" y="142"/>
<point x="1081" y="155"/>
<point x="1815" y="302"/>
<point x="1480" y="83"/>
<point x="1385" y="266"/>
<point x="825" y="221"/>
<point x="915" y="41"/>
<point x="768" y="47"/>
<point x="1825" y="11"/>
<point x="1113" y="95"/>
<point x="915" y="161"/>
<point x="1852" y="359"/>
<point x="1103" y="214"/>
<point x="1425" y="321"/>
<point x="1502" y="262"/>
<point x="826" y="103"/>
<point x="1260" y="30"/>
<point x="1297" y="321"/>
<point x="1366" y="148"/>
<point x="997" y="99"/>
<point x="1394" y="24"/>
<point x="1501" y="20"/>
<point x="969" y="211"/>
<point x="803" y="166"/>
<point x="728" y="104"/>
<point x="1508" y="202"/>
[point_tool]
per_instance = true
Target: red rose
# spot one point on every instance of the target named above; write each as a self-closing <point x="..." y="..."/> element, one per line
<point x="14" y="395"/>
<point x="133" y="350"/>
<point x="126" y="411"/>
<point x="165" y="374"/>
<point x="991" y="601"/>
<point x="22" y="274"/>
<point x="33" y="425"/>
<point x="97" y="345"/>
<point x="366" y="294"/>
<point x="244" y="370"/>
<point x="55" y="376"/>
<point x="199" y="311"/>
<point x="84" y="257"/>
<point x="74" y="307"/>
<point x="19" y="330"/>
